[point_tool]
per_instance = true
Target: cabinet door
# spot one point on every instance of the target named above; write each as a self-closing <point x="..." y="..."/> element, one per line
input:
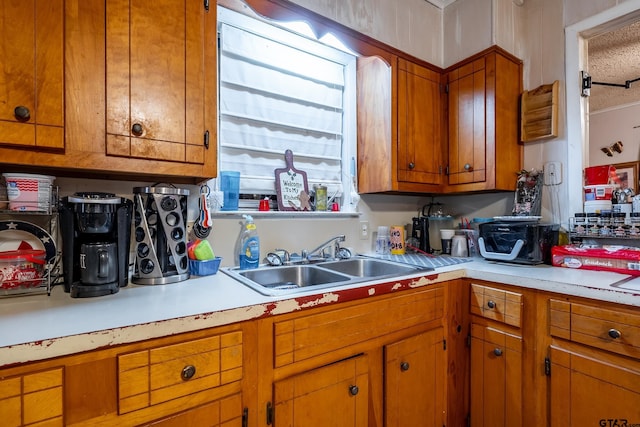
<point x="334" y="395"/>
<point x="484" y="148"/>
<point x="496" y="378"/>
<point x="467" y="123"/>
<point x="586" y="390"/>
<point x="419" y="124"/>
<point x="415" y="381"/>
<point x="160" y="95"/>
<point x="31" y="74"/>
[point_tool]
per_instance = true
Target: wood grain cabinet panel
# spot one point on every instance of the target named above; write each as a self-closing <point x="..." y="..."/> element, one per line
<point x="483" y="122"/>
<point x="401" y="145"/>
<point x="496" y="304"/>
<point x="593" y="389"/>
<point x="158" y="375"/>
<point x="158" y="62"/>
<point x="415" y="391"/>
<point x="496" y="377"/>
<point x="332" y="395"/>
<point x="316" y="334"/>
<point x="34" y="399"/>
<point x="31" y="74"/>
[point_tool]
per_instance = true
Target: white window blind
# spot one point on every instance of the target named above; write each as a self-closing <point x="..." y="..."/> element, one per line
<point x="278" y="91"/>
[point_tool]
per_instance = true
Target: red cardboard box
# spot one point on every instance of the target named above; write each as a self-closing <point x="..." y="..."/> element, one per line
<point x="619" y="259"/>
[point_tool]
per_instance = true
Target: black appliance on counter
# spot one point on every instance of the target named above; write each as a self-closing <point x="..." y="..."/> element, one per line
<point x="96" y="234"/>
<point x="522" y="242"/>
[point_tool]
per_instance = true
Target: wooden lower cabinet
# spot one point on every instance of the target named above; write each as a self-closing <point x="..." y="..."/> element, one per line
<point x="593" y="389"/>
<point x="192" y="379"/>
<point x="380" y="362"/>
<point x="496" y="377"/>
<point x="414" y="378"/>
<point x="333" y="395"/>
<point x="594" y="363"/>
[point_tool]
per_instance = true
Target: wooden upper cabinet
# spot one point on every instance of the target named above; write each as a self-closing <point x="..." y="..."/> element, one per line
<point x="157" y="93"/>
<point x="483" y="120"/>
<point x="420" y="122"/>
<point x="400" y="122"/>
<point x="31" y="74"/>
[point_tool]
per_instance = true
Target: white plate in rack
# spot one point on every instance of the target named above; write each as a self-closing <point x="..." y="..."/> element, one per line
<point x="514" y="218"/>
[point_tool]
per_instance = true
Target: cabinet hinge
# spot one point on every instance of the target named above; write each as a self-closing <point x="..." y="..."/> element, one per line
<point x="245" y="417"/>
<point x="206" y="139"/>
<point x="446" y="88"/>
<point x="269" y="414"/>
<point x="444" y="344"/>
<point x="446" y="170"/>
<point x="206" y="5"/>
<point x="547" y="366"/>
<point x="440" y="170"/>
<point x="469" y="340"/>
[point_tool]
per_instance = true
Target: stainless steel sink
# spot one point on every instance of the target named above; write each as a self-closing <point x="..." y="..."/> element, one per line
<point x="368" y="267"/>
<point x="290" y="279"/>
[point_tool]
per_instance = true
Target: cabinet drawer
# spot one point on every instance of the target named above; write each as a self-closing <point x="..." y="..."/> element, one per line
<point x="496" y="304"/>
<point x="617" y="331"/>
<point x="32" y="399"/>
<point x="309" y="336"/>
<point x="157" y="375"/>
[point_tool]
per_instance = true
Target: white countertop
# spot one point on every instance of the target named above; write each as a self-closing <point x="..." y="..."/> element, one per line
<point x="37" y="327"/>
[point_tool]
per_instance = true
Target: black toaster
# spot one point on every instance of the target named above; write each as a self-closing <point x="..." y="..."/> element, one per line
<point x="522" y="242"/>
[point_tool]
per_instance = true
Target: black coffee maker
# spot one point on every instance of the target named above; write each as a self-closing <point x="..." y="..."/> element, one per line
<point x="96" y="231"/>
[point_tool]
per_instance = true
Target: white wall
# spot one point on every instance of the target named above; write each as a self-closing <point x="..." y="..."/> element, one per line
<point x="412" y="26"/>
<point x="611" y="125"/>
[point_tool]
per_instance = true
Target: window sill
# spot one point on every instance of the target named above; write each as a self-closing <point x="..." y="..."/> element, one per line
<point x="284" y="214"/>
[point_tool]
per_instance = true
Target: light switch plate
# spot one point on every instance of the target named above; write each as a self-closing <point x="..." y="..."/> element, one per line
<point x="364" y="230"/>
<point x="552" y="173"/>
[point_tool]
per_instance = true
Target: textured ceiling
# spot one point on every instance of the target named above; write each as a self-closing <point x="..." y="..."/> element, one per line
<point x="614" y="57"/>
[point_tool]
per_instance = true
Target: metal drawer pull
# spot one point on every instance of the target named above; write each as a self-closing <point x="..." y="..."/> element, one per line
<point x="136" y="129"/>
<point x="353" y="390"/>
<point x="491" y="304"/>
<point x="22" y="113"/>
<point x="404" y="366"/>
<point x="497" y="352"/>
<point x="614" y="333"/>
<point x="188" y="372"/>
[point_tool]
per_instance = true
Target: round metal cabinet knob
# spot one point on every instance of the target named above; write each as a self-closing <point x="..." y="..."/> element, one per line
<point x="136" y="129"/>
<point x="614" y="333"/>
<point x="468" y="167"/>
<point x="22" y="113"/>
<point x="404" y="366"/>
<point x="353" y="390"/>
<point x="491" y="304"/>
<point x="412" y="165"/>
<point x="188" y="372"/>
<point x="497" y="352"/>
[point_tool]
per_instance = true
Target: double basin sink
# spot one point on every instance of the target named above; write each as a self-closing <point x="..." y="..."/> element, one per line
<point x="291" y="279"/>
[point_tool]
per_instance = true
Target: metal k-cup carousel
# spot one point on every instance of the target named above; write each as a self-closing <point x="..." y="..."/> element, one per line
<point x="160" y="231"/>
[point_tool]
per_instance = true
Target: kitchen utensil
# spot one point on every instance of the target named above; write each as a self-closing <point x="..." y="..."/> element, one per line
<point x="202" y="226"/>
<point x="160" y="233"/>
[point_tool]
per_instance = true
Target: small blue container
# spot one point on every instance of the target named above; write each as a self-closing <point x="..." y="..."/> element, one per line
<point x="204" y="268"/>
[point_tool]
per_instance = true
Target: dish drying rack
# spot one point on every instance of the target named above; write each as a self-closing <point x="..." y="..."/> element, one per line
<point x="41" y="222"/>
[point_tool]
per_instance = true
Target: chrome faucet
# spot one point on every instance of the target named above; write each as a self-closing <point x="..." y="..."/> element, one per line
<point x="333" y="245"/>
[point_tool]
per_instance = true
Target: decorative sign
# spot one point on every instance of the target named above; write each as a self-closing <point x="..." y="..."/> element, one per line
<point x="291" y="186"/>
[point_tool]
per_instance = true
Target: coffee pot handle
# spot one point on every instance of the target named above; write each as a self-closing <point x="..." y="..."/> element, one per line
<point x="103" y="264"/>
